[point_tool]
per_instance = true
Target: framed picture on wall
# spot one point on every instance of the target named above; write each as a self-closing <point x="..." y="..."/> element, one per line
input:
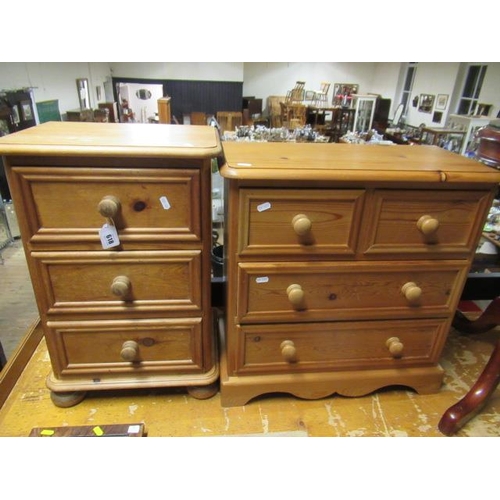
<point x="441" y="101"/>
<point x="425" y="103"/>
<point x="437" y="116"/>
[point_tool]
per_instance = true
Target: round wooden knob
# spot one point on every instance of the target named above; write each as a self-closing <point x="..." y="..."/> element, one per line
<point x="295" y="295"/>
<point x="395" y="347"/>
<point x="427" y="225"/>
<point x="288" y="351"/>
<point x="130" y="350"/>
<point x="109" y="206"/>
<point x="301" y="224"/>
<point x="411" y="292"/>
<point x="120" y="286"/>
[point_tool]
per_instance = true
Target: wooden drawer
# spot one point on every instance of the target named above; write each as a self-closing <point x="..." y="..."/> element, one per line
<point x="347" y="290"/>
<point x="93" y="282"/>
<point x="339" y="346"/>
<point x="154" y="205"/>
<point x="299" y="221"/>
<point x="140" y="346"/>
<point x="422" y="224"/>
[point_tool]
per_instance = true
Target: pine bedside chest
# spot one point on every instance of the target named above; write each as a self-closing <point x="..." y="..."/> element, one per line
<point x="116" y="225"/>
<point x="345" y="265"/>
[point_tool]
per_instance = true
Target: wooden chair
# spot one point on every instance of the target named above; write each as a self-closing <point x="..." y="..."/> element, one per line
<point x="297" y="93"/>
<point x="284" y="115"/>
<point x="321" y="95"/>
<point x="293" y="115"/>
<point x="460" y="413"/>
<point x="274" y="110"/>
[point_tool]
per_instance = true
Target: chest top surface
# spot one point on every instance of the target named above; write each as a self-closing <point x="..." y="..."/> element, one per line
<point x="113" y="139"/>
<point x="351" y="162"/>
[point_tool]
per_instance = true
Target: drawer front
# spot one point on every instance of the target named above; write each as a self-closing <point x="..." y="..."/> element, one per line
<point x="357" y="290"/>
<point x="339" y="346"/>
<point x="62" y="205"/>
<point x="428" y="224"/>
<point x="119" y="282"/>
<point x="299" y="222"/>
<point x="141" y="346"/>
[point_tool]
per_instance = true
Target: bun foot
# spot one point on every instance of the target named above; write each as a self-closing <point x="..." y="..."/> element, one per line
<point x="67" y="399"/>
<point x="203" y="391"/>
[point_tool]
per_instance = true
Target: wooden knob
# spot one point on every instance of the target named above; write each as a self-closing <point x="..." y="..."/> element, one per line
<point x="130" y="350"/>
<point x="295" y="295"/>
<point x="109" y="206"/>
<point x="411" y="292"/>
<point x="301" y="224"/>
<point x="427" y="225"/>
<point x="120" y="286"/>
<point x="395" y="347"/>
<point x="288" y="351"/>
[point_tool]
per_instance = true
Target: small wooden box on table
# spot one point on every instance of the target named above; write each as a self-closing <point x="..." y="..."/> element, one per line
<point x="345" y="265"/>
<point x="137" y="313"/>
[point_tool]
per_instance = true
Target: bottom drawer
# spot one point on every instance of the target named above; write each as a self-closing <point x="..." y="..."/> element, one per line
<point x="339" y="346"/>
<point x="123" y="346"/>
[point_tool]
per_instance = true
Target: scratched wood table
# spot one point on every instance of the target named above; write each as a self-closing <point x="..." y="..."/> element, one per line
<point x="172" y="412"/>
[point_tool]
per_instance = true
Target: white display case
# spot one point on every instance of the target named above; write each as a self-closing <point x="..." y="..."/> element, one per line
<point x="470" y="125"/>
<point x="364" y="106"/>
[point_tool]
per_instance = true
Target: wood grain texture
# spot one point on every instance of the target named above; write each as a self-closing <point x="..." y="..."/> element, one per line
<point x="113" y="139"/>
<point x="388" y="238"/>
<point x="351" y="162"/>
<point x="394" y="411"/>
<point x="151" y="184"/>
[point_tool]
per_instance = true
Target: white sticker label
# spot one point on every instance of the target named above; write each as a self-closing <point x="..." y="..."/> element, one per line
<point x="109" y="236"/>
<point x="134" y="429"/>
<point x="263" y="207"/>
<point x="262" y="279"/>
<point x="164" y="202"/>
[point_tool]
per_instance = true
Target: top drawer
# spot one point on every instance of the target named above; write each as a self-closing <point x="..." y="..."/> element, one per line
<point x="299" y="222"/>
<point x="147" y="206"/>
<point x="427" y="224"/>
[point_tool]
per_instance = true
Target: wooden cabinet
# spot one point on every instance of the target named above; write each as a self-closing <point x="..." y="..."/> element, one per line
<point x="135" y="312"/>
<point x="345" y="264"/>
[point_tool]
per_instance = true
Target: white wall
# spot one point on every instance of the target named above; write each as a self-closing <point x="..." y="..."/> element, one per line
<point x="261" y="79"/>
<point x="264" y="79"/>
<point x="490" y="90"/>
<point x="52" y="80"/>
<point x="215" y="71"/>
<point x="385" y="82"/>
<point x="432" y="78"/>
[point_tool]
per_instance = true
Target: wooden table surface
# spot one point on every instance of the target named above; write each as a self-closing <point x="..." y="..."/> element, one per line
<point x="172" y="412"/>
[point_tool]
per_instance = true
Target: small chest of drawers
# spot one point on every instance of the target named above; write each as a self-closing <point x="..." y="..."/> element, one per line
<point x="115" y="221"/>
<point x="345" y="264"/>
